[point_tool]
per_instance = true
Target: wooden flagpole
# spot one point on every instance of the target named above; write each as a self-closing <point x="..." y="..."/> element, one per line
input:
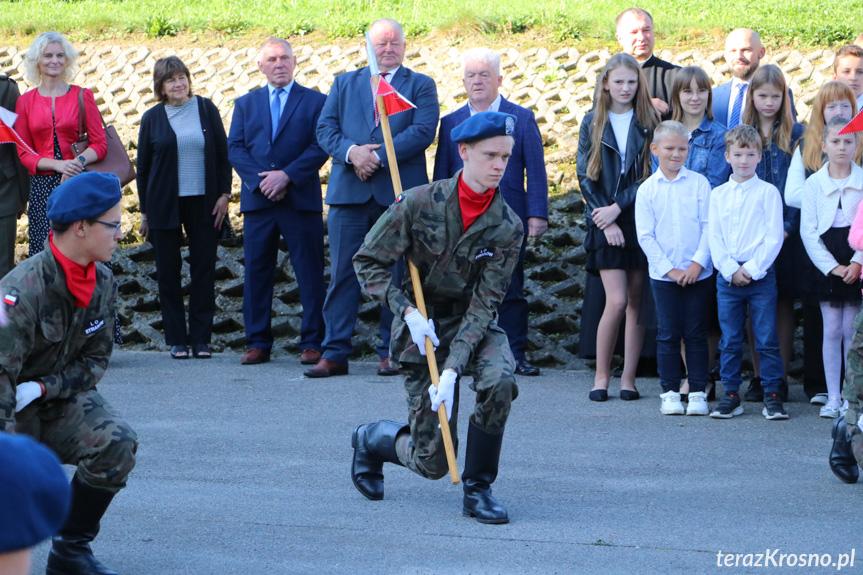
<point x="418" y="290"/>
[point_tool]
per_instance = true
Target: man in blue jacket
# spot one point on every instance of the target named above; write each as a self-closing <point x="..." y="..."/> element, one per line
<point x="482" y="81"/>
<point x="273" y="148"/>
<point x="360" y="187"/>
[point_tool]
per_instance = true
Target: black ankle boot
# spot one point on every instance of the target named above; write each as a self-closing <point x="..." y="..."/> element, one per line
<point x="70" y="553"/>
<point x="480" y="470"/>
<point x="842" y="460"/>
<point x="374" y="444"/>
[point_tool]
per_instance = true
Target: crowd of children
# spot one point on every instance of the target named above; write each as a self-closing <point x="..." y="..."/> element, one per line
<point x="725" y="225"/>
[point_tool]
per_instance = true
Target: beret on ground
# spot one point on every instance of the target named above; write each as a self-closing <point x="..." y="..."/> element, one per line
<point x="83" y="197"/>
<point x="34" y="493"/>
<point x="484" y="125"/>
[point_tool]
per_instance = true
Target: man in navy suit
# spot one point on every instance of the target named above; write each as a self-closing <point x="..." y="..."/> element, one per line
<point x="273" y="148"/>
<point x="743" y="53"/>
<point x="482" y="81"/>
<point x="360" y="186"/>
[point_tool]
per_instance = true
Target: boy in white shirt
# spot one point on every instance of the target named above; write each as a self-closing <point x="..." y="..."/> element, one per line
<point x="671" y="211"/>
<point x="848" y="69"/>
<point x="746" y="233"/>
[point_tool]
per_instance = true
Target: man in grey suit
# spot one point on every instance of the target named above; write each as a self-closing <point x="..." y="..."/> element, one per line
<point x="14" y="184"/>
<point x="360" y="186"/>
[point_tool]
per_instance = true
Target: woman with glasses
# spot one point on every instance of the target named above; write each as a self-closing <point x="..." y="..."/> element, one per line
<point x="184" y="183"/>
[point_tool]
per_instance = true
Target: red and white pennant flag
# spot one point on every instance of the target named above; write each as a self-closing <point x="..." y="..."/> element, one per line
<point x="7" y="134"/>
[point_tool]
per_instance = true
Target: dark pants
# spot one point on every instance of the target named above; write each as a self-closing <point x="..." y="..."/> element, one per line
<point x="196" y="219"/>
<point x="8" y="229"/>
<point x="732" y="301"/>
<point x="813" y="357"/>
<point x="347" y="226"/>
<point x="682" y="313"/>
<point x="304" y="235"/>
<point x="512" y="312"/>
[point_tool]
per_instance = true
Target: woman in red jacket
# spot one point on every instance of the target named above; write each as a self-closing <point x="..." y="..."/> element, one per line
<point x="48" y="122"/>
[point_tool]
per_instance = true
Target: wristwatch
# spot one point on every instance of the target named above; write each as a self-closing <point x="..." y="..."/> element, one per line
<point x="83" y="161"/>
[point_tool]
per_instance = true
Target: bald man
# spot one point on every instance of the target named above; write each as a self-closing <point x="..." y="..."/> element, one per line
<point x="743" y="52"/>
<point x="635" y="33"/>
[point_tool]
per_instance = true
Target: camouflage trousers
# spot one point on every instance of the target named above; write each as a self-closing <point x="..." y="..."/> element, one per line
<point x="86" y="431"/>
<point x="492" y="367"/>
<point x="853" y="390"/>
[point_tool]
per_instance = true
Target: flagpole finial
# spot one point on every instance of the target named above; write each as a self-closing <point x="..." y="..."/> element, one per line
<point x="370" y="55"/>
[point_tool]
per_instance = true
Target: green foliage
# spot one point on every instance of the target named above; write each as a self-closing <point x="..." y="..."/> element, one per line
<point x="160" y="26"/>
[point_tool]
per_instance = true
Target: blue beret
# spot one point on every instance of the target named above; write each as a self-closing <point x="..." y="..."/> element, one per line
<point x="83" y="197"/>
<point x="34" y="493"/>
<point x="484" y="125"/>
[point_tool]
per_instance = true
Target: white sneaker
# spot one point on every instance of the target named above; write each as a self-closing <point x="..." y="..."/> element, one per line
<point x="697" y="404"/>
<point x="844" y="409"/>
<point x="831" y="408"/>
<point x="671" y="403"/>
<point x="818" y="399"/>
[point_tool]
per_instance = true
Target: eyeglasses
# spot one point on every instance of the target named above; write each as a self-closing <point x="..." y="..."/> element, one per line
<point x="115" y="227"/>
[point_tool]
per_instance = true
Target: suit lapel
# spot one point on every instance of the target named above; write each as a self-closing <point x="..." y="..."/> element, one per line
<point x="294" y="98"/>
<point x="365" y="88"/>
<point x="263" y="104"/>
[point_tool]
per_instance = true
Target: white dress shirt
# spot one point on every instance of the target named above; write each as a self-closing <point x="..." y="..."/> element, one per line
<point x="671" y="222"/>
<point x="820" y="203"/>
<point x="493" y="107"/>
<point x="746" y="227"/>
<point x="795" y="182"/>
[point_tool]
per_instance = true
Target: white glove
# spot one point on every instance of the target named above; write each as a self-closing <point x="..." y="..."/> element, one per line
<point x="25" y="394"/>
<point x="420" y="329"/>
<point x="444" y="392"/>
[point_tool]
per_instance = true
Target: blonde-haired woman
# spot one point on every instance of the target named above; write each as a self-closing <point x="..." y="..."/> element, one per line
<point x="48" y="123"/>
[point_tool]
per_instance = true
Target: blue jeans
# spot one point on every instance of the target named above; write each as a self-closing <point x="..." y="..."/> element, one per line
<point x="732" y="302"/>
<point x="682" y="313"/>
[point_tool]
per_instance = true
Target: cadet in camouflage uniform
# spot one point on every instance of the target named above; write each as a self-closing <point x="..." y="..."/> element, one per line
<point x="465" y="267"/>
<point x="60" y="309"/>
<point x="846" y="455"/>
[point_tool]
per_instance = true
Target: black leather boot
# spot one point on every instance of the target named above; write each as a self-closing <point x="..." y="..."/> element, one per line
<point x="842" y="460"/>
<point x="71" y="553"/>
<point x="374" y="444"/>
<point x="480" y="470"/>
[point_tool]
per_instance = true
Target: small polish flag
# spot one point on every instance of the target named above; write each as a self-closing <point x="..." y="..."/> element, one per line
<point x="10" y="299"/>
<point x="7" y="134"/>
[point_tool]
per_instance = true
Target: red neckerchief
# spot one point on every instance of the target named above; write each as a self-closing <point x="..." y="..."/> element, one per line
<point x="81" y="280"/>
<point x="471" y="203"/>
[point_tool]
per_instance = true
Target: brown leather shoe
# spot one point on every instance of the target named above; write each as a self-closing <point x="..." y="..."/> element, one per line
<point x="255" y="355"/>
<point x="310" y="356"/>
<point x="327" y="368"/>
<point x="384" y="368"/>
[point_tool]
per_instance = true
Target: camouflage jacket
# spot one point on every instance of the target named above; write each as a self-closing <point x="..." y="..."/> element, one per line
<point x="467" y="270"/>
<point x="48" y="338"/>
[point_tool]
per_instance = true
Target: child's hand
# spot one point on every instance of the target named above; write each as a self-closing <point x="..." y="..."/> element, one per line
<point x="605" y="216"/>
<point x="690" y="276"/>
<point x="741" y="277"/>
<point x="852" y="273"/>
<point x="614" y="236"/>
<point x="675" y="275"/>
<point x="839" y="271"/>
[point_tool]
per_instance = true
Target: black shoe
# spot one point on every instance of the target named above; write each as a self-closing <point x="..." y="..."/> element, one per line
<point x="773" y="408"/>
<point x="755" y="393"/>
<point x="481" y="459"/>
<point x="599" y="395"/>
<point x="374" y="444"/>
<point x="629" y="394"/>
<point x="524" y="367"/>
<point x="70" y="553"/>
<point x="843" y="464"/>
<point x="728" y="407"/>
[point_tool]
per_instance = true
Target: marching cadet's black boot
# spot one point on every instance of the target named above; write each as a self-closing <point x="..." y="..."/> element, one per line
<point x="842" y="460"/>
<point x="480" y="470"/>
<point x="374" y="444"/>
<point x="71" y="553"/>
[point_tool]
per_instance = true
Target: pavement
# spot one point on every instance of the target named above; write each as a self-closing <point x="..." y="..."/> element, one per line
<point x="246" y="470"/>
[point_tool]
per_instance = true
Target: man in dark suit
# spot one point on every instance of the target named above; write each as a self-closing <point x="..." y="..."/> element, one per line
<point x="743" y="53"/>
<point x="14" y="184"/>
<point x="273" y="148"/>
<point x="360" y="186"/>
<point x="482" y="80"/>
<point x="634" y="32"/>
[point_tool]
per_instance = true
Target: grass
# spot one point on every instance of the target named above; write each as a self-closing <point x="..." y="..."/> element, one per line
<point x="798" y="23"/>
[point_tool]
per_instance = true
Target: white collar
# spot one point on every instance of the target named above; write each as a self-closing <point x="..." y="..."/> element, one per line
<point x="493" y="107"/>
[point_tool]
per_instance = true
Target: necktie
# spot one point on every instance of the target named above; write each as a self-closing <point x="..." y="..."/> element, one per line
<point x="738" y="105"/>
<point x="276" y="108"/>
